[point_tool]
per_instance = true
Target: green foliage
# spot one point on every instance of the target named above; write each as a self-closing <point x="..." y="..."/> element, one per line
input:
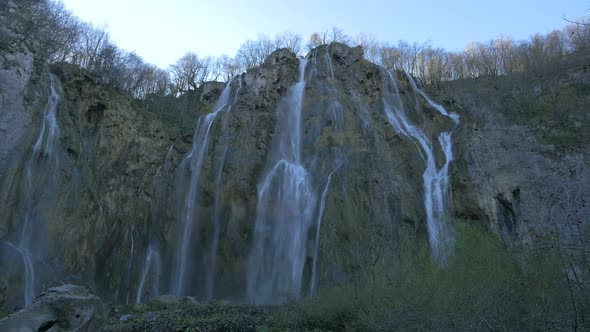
<point x="334" y="310"/>
<point x="483" y="286"/>
<point x="191" y="317"/>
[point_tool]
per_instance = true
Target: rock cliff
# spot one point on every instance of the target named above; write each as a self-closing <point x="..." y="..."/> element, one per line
<point x="111" y="215"/>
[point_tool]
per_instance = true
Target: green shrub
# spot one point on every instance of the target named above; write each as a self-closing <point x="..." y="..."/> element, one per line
<point x="483" y="286"/>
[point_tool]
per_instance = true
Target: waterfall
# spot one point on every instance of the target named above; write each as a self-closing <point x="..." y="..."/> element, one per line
<point x="38" y="195"/>
<point x="47" y="141"/>
<point x="151" y="271"/>
<point x="314" y="279"/>
<point x="130" y="262"/>
<point x="434" y="105"/>
<point x="211" y="259"/>
<point x="44" y="155"/>
<point x="436" y="180"/>
<point x="334" y="108"/>
<point x="193" y="162"/>
<point x="152" y="264"/>
<point x="334" y="111"/>
<point x="285" y="210"/>
<point x="28" y="271"/>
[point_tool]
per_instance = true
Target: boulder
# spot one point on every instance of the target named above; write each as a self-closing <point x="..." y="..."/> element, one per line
<point x="280" y="56"/>
<point x="344" y="54"/>
<point x="211" y="92"/>
<point x="64" y="308"/>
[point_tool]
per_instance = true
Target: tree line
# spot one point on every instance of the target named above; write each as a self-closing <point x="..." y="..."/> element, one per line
<point x="501" y="56"/>
<point x="66" y="38"/>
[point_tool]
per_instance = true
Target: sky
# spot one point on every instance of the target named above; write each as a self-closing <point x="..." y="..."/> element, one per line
<point x="163" y="31"/>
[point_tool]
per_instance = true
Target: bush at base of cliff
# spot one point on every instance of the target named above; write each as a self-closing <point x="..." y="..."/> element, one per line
<point x="483" y="287"/>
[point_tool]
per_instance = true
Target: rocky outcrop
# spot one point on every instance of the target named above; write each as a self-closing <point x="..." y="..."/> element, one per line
<point x="110" y="149"/>
<point x="375" y="196"/>
<point x="114" y="225"/>
<point x="23" y="90"/>
<point x="523" y="155"/>
<point x="119" y="183"/>
<point x="64" y="308"/>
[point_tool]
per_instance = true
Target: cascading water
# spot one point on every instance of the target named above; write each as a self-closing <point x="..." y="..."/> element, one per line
<point x="211" y="258"/>
<point x="193" y="162"/>
<point x="334" y="108"/>
<point x="314" y="282"/>
<point x="130" y="261"/>
<point x="148" y="285"/>
<point x="46" y="143"/>
<point x="435" y="179"/>
<point x="44" y="155"/>
<point x="285" y="210"/>
<point x="28" y="271"/>
<point x="38" y="195"/>
<point x="434" y="105"/>
<point x="334" y="111"/>
<point x="150" y="274"/>
<point x="290" y="208"/>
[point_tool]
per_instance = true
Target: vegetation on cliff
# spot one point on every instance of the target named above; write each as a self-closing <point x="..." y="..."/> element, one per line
<point x="521" y="260"/>
<point x="484" y="287"/>
<point x="64" y="37"/>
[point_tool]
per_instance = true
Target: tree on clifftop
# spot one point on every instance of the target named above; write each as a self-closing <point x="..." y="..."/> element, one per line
<point x="189" y="72"/>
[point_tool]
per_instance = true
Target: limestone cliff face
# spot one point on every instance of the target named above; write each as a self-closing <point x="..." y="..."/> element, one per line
<point x="23" y="91"/>
<point x="119" y="181"/>
<point x="121" y="187"/>
<point x="523" y="166"/>
<point x="376" y="189"/>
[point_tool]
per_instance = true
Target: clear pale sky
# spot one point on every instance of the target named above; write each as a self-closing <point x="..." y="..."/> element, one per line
<point x="163" y="31"/>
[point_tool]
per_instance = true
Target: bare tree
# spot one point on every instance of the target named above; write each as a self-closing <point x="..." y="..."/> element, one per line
<point x="456" y="61"/>
<point x="189" y="72"/>
<point x="316" y="40"/>
<point x="409" y="55"/>
<point x="506" y="54"/>
<point x="390" y="57"/>
<point x="482" y="59"/>
<point x="253" y="52"/>
<point x="289" y="40"/>
<point x="581" y="21"/>
<point x="432" y="65"/>
<point x="228" y="67"/>
<point x="334" y="34"/>
<point x="94" y="40"/>
<point x="57" y="28"/>
<point x="370" y="46"/>
<point x="578" y="37"/>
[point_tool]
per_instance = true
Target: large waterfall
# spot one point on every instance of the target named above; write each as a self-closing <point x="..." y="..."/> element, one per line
<point x="38" y="192"/>
<point x="436" y="180"/>
<point x="188" y="223"/>
<point x="210" y="260"/>
<point x="285" y="210"/>
<point x="284" y="188"/>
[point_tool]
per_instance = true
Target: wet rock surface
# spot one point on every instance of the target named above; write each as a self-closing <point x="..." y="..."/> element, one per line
<point x="119" y="181"/>
<point x="64" y="308"/>
<point x="523" y="159"/>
